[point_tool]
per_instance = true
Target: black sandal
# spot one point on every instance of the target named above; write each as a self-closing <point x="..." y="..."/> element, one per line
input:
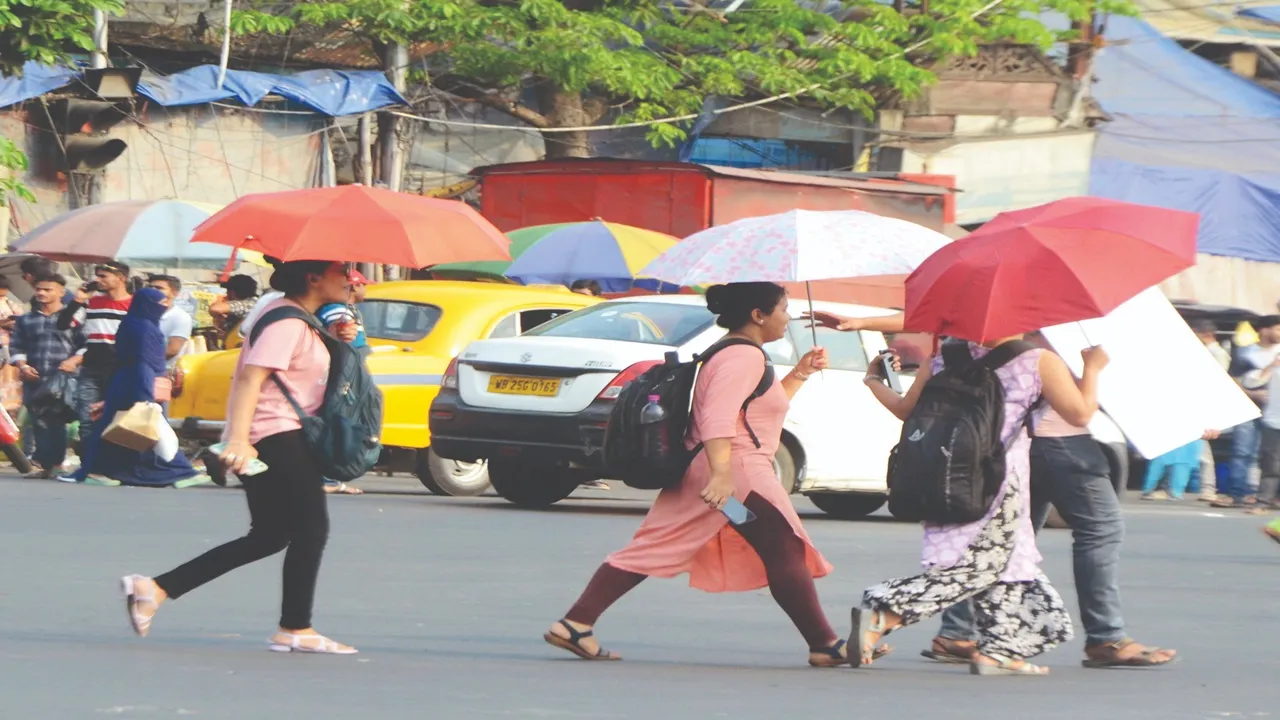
<point x="836" y="654"/>
<point x="573" y="643"/>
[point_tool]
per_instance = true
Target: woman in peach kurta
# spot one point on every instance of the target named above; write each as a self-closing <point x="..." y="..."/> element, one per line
<point x="684" y="532"/>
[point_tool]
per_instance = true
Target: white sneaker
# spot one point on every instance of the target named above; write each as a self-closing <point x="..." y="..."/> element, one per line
<point x="67" y="479"/>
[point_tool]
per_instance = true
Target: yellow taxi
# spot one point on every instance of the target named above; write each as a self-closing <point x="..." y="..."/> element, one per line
<point x="414" y="328"/>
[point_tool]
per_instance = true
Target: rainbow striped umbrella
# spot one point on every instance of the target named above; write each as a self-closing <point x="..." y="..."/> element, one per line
<point x="609" y="253"/>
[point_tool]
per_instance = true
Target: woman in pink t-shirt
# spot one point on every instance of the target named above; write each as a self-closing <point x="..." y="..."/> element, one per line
<point x="287" y="501"/>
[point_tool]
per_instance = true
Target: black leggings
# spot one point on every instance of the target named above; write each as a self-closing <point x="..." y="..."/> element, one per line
<point x="779" y="548"/>
<point x="287" y="509"/>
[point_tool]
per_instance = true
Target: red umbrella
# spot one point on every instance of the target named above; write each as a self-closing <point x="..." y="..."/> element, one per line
<point x="1066" y="261"/>
<point x="355" y="223"/>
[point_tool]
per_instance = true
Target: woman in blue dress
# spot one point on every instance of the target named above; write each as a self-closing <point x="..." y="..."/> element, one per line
<point x="140" y="356"/>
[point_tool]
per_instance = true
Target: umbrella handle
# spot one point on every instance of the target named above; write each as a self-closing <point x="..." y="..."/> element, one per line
<point x="1085" y="333"/>
<point x="813" y="324"/>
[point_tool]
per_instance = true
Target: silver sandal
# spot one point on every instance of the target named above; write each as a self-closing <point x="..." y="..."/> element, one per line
<point x="867" y="621"/>
<point x="1005" y="666"/>
<point x="140" y="620"/>
<point x="316" y="644"/>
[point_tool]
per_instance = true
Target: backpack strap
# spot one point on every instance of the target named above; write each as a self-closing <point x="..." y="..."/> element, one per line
<point x="1006" y="352"/>
<point x="762" y="387"/>
<point x="290" y="312"/>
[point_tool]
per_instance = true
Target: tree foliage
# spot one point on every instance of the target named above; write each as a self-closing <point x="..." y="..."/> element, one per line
<point x="46" y="31"/>
<point x="651" y="59"/>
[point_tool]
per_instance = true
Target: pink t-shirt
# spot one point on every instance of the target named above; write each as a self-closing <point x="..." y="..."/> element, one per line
<point x="299" y="358"/>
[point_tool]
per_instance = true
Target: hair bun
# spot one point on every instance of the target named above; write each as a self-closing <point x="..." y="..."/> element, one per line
<point x="716" y="298"/>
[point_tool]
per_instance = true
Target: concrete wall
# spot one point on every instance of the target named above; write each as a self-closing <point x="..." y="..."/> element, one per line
<point x="202" y="153"/>
<point x="999" y="173"/>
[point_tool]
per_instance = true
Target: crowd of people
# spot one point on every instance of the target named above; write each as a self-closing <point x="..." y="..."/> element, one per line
<point x="998" y="608"/>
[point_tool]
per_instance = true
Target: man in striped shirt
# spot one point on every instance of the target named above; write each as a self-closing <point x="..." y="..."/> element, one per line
<point x="100" y="314"/>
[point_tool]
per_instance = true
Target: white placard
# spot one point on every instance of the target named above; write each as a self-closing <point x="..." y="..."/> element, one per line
<point x="1162" y="388"/>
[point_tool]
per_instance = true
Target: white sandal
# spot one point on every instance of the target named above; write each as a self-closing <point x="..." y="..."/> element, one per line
<point x="317" y="644"/>
<point x="140" y="620"/>
<point x="1004" y="665"/>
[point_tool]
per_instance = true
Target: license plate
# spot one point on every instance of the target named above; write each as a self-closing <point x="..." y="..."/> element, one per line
<point x="514" y="385"/>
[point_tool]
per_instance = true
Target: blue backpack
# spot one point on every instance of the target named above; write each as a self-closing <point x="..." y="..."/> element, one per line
<point x="345" y="433"/>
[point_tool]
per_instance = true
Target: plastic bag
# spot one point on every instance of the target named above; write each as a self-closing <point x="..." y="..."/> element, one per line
<point x="166" y="439"/>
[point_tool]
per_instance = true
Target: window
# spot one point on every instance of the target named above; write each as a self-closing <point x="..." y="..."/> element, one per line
<point x="844" y="348"/>
<point x="398" y="321"/>
<point x="507" y="327"/>
<point x="530" y="319"/>
<point x="670" y="324"/>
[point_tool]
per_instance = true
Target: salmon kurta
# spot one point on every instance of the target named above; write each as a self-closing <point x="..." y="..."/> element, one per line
<point x="681" y="533"/>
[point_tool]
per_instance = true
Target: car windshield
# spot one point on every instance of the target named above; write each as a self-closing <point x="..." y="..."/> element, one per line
<point x="398" y="321"/>
<point x="652" y="323"/>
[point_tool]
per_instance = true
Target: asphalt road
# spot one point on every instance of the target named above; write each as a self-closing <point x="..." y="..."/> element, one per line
<point x="447" y="600"/>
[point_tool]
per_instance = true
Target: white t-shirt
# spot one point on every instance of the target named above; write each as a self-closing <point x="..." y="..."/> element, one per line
<point x="176" y="323"/>
<point x="246" y="325"/>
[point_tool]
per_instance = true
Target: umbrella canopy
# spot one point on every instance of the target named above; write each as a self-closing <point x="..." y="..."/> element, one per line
<point x="798" y="246"/>
<point x="152" y="233"/>
<point x="355" y="223"/>
<point x="521" y="240"/>
<point x="608" y="253"/>
<point x="1066" y="261"/>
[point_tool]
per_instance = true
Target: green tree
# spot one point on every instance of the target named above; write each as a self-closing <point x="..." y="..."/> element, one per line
<point x="651" y="59"/>
<point x="46" y="31"/>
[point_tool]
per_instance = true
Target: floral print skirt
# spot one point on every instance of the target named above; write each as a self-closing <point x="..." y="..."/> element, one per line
<point x="1015" y="619"/>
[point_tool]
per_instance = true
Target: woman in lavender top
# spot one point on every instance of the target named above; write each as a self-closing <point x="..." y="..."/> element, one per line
<point x="994" y="561"/>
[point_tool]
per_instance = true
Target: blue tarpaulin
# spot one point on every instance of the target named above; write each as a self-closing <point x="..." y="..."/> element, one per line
<point x="1190" y="135"/>
<point x="36" y="80"/>
<point x="330" y="92"/>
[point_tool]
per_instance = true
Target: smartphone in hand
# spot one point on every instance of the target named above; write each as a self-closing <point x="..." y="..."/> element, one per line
<point x="737" y="513"/>
<point x="890" y="375"/>
<point x="256" y="466"/>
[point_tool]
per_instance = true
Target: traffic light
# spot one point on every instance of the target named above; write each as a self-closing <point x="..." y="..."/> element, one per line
<point x="82" y="125"/>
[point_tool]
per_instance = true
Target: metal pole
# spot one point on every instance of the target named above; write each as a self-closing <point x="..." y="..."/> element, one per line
<point x="396" y="66"/>
<point x="328" y="173"/>
<point x="98" y="59"/>
<point x="366" y="151"/>
<point x="225" y="57"/>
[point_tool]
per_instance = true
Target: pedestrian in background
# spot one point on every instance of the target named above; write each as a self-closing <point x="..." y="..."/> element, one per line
<point x="287" y="502"/>
<point x="42" y="351"/>
<point x="175" y="325"/>
<point x="1245" y="436"/>
<point x="100" y="307"/>
<point x="587" y="287"/>
<point x="10" y="311"/>
<point x="140" y="363"/>
<point x="346" y="324"/>
<point x="684" y="532"/>
<point x="1208" y="334"/>
<point x="1269" y="437"/>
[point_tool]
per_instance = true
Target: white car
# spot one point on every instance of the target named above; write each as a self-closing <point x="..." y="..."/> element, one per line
<point x="535" y="406"/>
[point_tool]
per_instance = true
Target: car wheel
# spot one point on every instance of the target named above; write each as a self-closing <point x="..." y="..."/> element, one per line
<point x="784" y="467"/>
<point x="532" y="486"/>
<point x="451" y="478"/>
<point x="19" y="459"/>
<point x="848" y="506"/>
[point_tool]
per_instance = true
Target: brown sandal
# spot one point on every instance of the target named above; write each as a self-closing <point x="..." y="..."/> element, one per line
<point x="947" y="650"/>
<point x="1108" y="656"/>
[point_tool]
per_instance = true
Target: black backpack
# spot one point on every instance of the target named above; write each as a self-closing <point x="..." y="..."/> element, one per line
<point x="344" y="434"/>
<point x="653" y="456"/>
<point x="950" y="462"/>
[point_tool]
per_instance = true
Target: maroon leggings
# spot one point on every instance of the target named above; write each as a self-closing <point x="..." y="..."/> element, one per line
<point x="783" y="554"/>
